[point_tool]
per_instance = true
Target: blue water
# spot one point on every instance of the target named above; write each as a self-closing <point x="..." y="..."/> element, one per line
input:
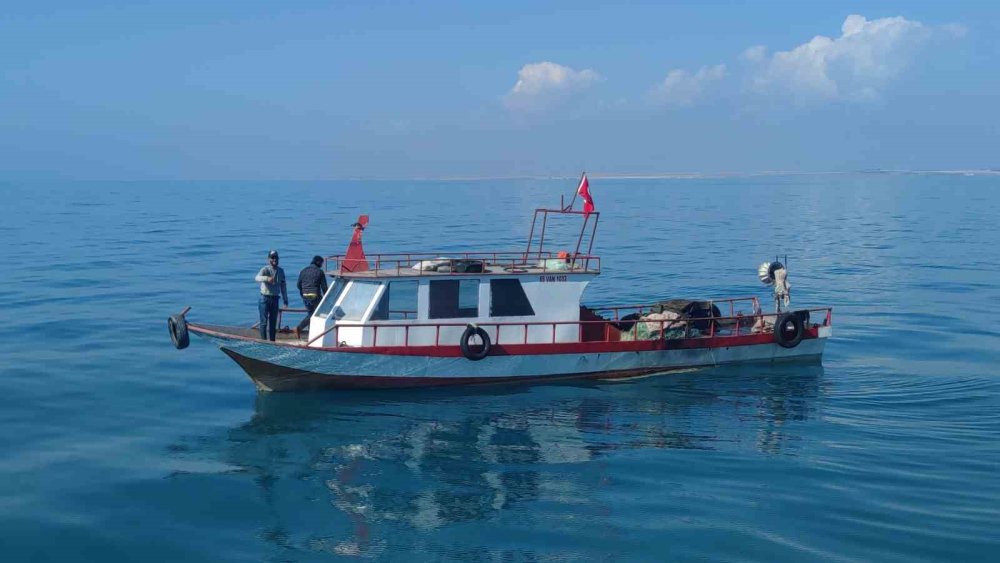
<point x="116" y="446"/>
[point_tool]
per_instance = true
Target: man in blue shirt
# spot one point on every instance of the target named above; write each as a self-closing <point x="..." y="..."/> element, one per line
<point x="272" y="284"/>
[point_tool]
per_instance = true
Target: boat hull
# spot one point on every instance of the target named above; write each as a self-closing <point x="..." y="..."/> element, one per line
<point x="282" y="367"/>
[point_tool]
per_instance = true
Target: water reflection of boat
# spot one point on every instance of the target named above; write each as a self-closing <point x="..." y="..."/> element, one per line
<point x="396" y="463"/>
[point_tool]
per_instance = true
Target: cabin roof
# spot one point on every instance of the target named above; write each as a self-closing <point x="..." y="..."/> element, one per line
<point x="465" y="265"/>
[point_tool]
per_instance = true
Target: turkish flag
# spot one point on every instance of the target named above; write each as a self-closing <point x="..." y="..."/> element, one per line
<point x="584" y="192"/>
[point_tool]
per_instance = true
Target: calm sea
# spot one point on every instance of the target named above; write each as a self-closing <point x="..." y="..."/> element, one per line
<point x="117" y="447"/>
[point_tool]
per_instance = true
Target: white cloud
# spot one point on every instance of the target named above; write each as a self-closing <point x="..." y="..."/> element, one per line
<point x="856" y="65"/>
<point x="681" y="88"/>
<point x="541" y="84"/>
<point x="754" y="54"/>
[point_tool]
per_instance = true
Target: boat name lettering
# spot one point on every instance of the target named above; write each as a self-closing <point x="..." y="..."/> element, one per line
<point x="552" y="278"/>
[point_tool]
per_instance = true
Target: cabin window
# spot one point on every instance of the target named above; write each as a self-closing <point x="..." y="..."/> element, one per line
<point x="454" y="299"/>
<point x="399" y="301"/>
<point x="356" y="300"/>
<point x="507" y="299"/>
<point x="331" y="297"/>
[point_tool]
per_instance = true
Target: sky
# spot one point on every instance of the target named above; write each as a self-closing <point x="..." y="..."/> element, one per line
<point x="263" y="90"/>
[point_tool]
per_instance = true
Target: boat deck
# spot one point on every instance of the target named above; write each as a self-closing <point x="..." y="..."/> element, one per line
<point x="282" y="335"/>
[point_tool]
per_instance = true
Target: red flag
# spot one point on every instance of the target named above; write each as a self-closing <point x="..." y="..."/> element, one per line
<point x="584" y="192"/>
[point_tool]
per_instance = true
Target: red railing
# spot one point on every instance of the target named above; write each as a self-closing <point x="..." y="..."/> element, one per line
<point x="467" y="263"/>
<point x="731" y="303"/>
<point x="611" y="329"/>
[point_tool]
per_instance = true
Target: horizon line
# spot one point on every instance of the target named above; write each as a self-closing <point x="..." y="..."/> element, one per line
<point x="596" y="175"/>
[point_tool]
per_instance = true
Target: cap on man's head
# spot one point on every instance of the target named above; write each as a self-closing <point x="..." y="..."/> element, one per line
<point x="272" y="254"/>
<point x="317" y="261"/>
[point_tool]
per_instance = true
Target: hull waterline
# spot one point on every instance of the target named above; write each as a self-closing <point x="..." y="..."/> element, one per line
<point x="283" y="367"/>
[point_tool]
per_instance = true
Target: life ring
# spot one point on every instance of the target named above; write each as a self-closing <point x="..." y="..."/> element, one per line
<point x="788" y="330"/>
<point x="467" y="349"/>
<point x="178" y="327"/>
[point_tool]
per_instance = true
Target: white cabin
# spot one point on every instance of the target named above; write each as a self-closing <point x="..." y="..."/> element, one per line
<point x="375" y="307"/>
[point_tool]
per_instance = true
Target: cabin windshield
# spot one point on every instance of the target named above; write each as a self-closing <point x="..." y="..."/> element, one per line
<point x="331" y="297"/>
<point x="357" y="299"/>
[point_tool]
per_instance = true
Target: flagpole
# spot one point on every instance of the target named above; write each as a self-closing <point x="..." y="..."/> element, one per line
<point x="575" y="192"/>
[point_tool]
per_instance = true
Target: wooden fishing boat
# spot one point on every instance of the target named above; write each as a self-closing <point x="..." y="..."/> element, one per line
<point x="427" y="319"/>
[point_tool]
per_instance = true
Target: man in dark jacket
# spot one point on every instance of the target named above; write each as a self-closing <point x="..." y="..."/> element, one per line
<point x="312" y="288"/>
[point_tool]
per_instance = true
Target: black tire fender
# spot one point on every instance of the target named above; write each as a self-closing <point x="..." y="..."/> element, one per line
<point x="467" y="348"/>
<point x="178" y="327"/>
<point x="788" y="330"/>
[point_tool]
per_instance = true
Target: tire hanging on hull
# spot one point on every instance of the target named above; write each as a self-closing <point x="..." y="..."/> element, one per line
<point x="177" y="325"/>
<point x="467" y="347"/>
<point x="789" y="329"/>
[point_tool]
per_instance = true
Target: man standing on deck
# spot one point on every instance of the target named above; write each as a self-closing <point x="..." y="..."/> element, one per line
<point x="312" y="288"/>
<point x="272" y="281"/>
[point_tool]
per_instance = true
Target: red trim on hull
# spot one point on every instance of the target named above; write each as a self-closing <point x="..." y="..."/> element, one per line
<point x="538" y="349"/>
<point x="272" y="377"/>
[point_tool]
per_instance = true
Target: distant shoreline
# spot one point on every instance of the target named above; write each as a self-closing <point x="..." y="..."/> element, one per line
<point x="707" y="175"/>
<point x="592" y="175"/>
